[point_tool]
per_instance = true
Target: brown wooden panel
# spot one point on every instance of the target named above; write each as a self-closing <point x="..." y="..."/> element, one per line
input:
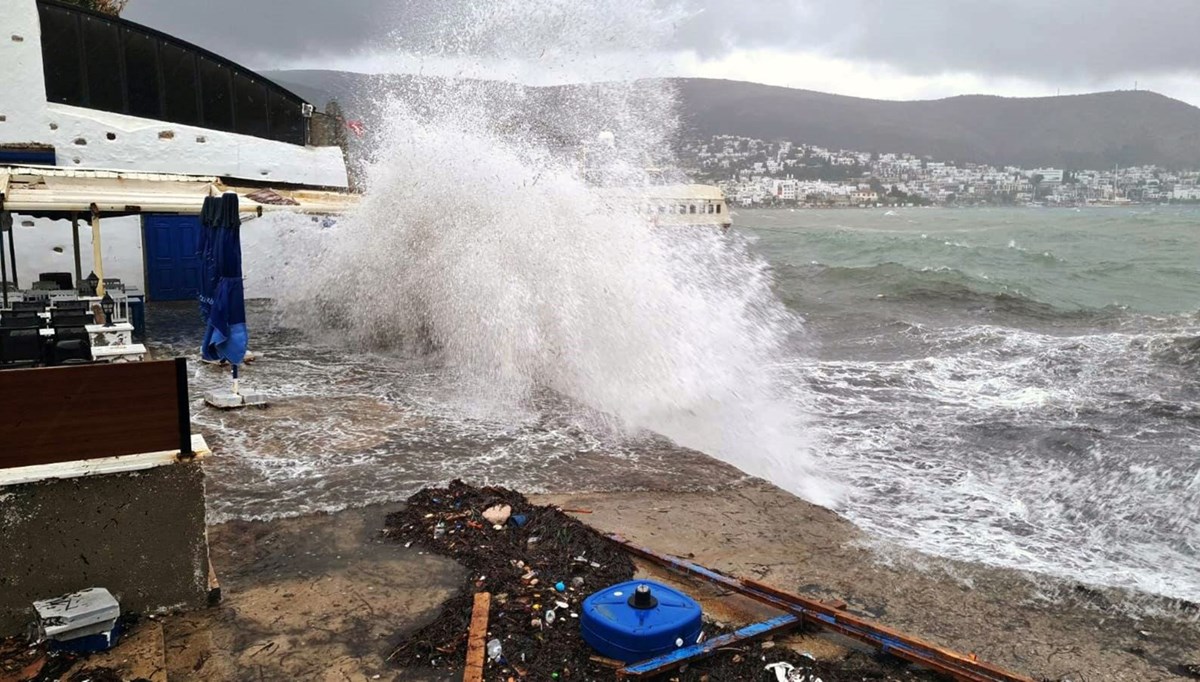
<point x="62" y="414"/>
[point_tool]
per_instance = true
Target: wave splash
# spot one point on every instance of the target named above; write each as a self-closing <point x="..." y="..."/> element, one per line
<point x="481" y="246"/>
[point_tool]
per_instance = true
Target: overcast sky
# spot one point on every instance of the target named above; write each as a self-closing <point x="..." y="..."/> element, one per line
<point x="895" y="49"/>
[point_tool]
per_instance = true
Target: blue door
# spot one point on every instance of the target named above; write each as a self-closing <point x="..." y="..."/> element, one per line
<point x="172" y="265"/>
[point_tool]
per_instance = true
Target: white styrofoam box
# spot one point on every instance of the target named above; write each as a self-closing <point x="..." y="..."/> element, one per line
<point x="61" y="617"/>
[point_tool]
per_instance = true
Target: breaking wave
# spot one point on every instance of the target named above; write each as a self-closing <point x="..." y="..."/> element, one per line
<point x="480" y="246"/>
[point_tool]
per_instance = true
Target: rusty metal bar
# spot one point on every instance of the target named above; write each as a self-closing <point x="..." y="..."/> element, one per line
<point x="657" y="666"/>
<point x="957" y="665"/>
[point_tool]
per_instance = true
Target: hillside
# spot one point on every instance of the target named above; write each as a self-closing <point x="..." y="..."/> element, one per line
<point x="1077" y="131"/>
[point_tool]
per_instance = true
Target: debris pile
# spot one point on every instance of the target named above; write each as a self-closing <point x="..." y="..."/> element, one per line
<point x="539" y="564"/>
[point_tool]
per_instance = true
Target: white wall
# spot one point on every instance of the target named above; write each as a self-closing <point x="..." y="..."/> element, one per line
<point x="81" y="139"/>
<point x="36" y="239"/>
<point x="80" y="136"/>
<point x="263" y="239"/>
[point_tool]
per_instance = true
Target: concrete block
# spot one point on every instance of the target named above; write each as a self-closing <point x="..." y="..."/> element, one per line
<point x="140" y="535"/>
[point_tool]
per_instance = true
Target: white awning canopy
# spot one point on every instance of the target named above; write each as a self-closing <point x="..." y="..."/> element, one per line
<point x="46" y="191"/>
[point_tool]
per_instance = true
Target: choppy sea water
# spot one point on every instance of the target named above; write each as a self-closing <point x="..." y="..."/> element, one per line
<point x="1013" y="387"/>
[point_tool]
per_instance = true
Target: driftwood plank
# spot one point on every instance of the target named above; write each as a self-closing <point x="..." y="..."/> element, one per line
<point x="476" y="637"/>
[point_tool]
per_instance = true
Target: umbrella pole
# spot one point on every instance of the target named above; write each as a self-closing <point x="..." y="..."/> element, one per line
<point x="12" y="253"/>
<point x="75" y="242"/>
<point x="3" y="262"/>
<point x="97" y="258"/>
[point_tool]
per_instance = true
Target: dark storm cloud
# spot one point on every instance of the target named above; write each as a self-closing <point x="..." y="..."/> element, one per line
<point x="272" y="32"/>
<point x="1070" y="39"/>
<point x="1024" y="38"/>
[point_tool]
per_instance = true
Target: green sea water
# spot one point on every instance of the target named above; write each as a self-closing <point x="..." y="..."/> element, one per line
<point x="1017" y="387"/>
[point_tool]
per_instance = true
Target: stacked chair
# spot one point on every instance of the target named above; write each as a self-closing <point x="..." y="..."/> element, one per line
<point x="23" y="345"/>
<point x="21" y="348"/>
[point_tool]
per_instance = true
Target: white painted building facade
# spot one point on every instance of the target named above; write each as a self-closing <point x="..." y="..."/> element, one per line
<point x="82" y="137"/>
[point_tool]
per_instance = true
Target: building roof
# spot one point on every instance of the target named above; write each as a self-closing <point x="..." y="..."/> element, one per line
<point x="191" y="47"/>
<point x="58" y="192"/>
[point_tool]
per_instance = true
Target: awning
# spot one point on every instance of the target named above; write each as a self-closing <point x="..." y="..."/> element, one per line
<point x="58" y="192"/>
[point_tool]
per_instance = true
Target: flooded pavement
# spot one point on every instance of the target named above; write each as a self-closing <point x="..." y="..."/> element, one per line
<point x="347" y="429"/>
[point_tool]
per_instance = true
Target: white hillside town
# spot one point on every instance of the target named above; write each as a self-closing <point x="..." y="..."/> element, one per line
<point x="756" y="172"/>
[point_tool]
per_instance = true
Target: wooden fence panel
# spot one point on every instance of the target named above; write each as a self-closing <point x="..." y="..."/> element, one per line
<point x="64" y="414"/>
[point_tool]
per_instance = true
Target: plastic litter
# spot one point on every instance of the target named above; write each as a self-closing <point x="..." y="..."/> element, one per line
<point x="494" y="650"/>
<point x="497" y="515"/>
<point x="518" y="520"/>
<point x="560" y="586"/>
<point x="786" y="672"/>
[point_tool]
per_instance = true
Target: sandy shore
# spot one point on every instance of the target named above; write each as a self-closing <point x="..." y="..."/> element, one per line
<point x="327" y="597"/>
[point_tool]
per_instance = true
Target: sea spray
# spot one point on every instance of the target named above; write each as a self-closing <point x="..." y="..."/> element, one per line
<point x="480" y="245"/>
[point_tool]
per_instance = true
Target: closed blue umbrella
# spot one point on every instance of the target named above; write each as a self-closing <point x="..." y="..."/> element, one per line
<point x="226" y="337"/>
<point x="210" y="215"/>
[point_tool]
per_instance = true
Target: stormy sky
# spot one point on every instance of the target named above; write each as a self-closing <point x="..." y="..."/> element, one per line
<point x="870" y="48"/>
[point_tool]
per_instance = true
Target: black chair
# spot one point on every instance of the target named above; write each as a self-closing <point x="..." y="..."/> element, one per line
<point x="71" y="346"/>
<point x="25" y="306"/>
<point x="21" y="319"/>
<point x="21" y="348"/>
<point x="73" y="304"/>
<point x="62" y="280"/>
<point x="70" y="318"/>
<point x="113" y="284"/>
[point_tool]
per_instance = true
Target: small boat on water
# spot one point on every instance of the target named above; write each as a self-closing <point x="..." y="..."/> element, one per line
<point x="665" y="197"/>
<point x="676" y="205"/>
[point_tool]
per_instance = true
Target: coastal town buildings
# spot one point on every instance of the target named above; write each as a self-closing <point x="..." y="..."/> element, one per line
<point x="757" y="172"/>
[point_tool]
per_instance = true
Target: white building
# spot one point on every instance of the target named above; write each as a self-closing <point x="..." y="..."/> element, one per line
<point x="1050" y="176"/>
<point x="86" y="90"/>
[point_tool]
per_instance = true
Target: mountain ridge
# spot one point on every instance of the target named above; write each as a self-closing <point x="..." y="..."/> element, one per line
<point x="1078" y="131"/>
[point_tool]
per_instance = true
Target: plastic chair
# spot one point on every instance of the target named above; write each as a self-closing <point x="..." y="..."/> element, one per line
<point x="23" y="319"/>
<point x="70" y="318"/>
<point x="62" y="280"/>
<point x="21" y="348"/>
<point x="71" y="346"/>
<point x="75" y="305"/>
<point x="26" y="306"/>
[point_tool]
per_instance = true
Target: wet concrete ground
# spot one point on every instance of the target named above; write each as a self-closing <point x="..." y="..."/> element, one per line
<point x="325" y="597"/>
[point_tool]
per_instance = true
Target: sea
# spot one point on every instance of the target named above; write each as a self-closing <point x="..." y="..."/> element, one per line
<point x="1013" y="387"/>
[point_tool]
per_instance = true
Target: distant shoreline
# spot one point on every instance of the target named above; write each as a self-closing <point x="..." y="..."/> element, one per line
<point x="735" y="207"/>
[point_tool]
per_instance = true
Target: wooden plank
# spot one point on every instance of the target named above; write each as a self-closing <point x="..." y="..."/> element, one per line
<point x="476" y="637"/>
<point x="750" y="633"/>
<point x="64" y="414"/>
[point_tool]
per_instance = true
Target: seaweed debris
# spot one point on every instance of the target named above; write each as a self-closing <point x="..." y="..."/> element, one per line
<point x="539" y="564"/>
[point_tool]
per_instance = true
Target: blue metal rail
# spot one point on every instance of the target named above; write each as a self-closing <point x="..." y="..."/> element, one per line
<point x="959" y="666"/>
<point x="694" y="652"/>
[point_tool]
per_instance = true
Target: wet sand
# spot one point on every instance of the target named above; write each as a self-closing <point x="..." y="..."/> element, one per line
<point x="327" y="597"/>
